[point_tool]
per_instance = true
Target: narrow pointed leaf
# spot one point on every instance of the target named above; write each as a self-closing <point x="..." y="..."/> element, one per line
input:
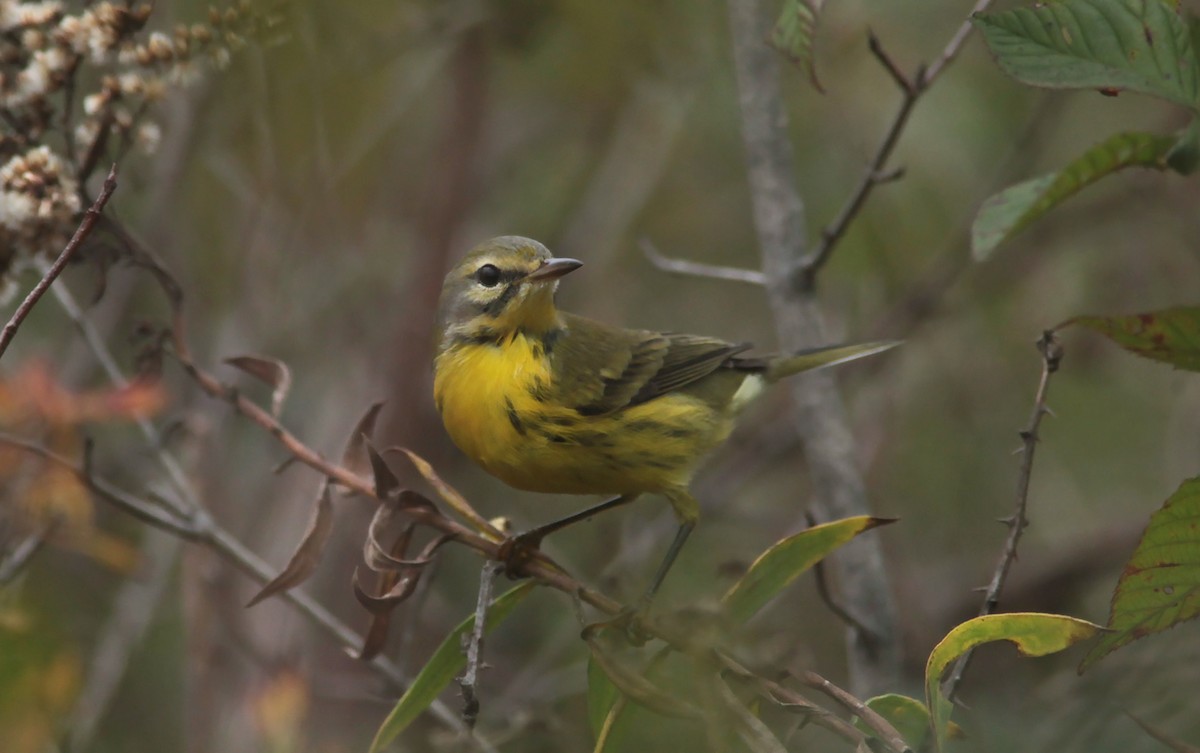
<point x="1138" y="45"/>
<point x="602" y="697"/>
<point x="637" y="687"/>
<point x="270" y="371"/>
<point x="354" y="456"/>
<point x="751" y="730"/>
<point x="386" y="483"/>
<point x="308" y="552"/>
<point x="788" y="559"/>
<point x="441" y="668"/>
<point x="1168" y="335"/>
<point x="1160" y="587"/>
<point x="1012" y="210"/>
<point x="1033" y="634"/>
<point x="793" y="35"/>
<point x="450" y="495"/>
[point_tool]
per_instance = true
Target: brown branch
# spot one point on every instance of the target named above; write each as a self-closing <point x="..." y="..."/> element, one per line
<point x="1052" y="354"/>
<point x="912" y="88"/>
<point x="699" y="269"/>
<point x="470" y="678"/>
<point x="90" y="218"/>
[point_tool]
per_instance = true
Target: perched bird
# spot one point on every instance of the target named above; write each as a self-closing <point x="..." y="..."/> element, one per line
<point x="548" y="401"/>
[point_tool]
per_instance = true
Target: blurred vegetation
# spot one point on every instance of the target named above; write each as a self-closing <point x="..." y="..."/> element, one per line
<point x="310" y="198"/>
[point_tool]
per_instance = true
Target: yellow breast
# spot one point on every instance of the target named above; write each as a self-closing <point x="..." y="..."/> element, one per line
<point x="499" y="405"/>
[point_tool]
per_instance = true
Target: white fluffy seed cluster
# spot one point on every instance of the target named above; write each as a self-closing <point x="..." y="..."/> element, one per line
<point x="39" y="199"/>
<point x="44" y="47"/>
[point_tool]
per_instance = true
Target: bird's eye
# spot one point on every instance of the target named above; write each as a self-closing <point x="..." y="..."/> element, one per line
<point x="488" y="275"/>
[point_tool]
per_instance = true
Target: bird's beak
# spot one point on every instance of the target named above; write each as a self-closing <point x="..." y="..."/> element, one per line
<point x="553" y="269"/>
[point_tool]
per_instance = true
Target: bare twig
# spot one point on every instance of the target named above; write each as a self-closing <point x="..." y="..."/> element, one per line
<point x="81" y="233"/>
<point x="470" y="679"/>
<point x="699" y="269"/>
<point x="912" y="88"/>
<point x="1052" y="354"/>
<point x="12" y="565"/>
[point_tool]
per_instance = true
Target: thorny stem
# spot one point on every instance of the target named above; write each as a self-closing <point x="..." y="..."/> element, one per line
<point x="81" y="233"/>
<point x="1052" y="354"/>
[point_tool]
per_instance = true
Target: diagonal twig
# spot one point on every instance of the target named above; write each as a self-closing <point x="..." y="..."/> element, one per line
<point x="1052" y="354"/>
<point x="90" y="218"/>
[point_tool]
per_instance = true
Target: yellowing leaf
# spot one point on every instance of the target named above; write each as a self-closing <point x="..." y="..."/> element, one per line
<point x="1005" y="214"/>
<point x="786" y="560"/>
<point x="1169" y="335"/>
<point x="1160" y="587"/>
<point x="1033" y="634"/>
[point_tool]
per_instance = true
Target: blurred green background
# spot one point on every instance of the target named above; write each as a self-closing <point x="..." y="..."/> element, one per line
<point x="311" y="197"/>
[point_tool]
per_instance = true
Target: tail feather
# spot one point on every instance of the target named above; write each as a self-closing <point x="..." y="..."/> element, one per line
<point x="818" y="358"/>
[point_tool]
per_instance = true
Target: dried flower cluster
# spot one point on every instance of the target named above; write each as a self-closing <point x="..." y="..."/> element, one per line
<point x="75" y="87"/>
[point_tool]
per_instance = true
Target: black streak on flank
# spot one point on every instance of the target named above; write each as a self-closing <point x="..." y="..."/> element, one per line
<point x="549" y="338"/>
<point x="513" y="418"/>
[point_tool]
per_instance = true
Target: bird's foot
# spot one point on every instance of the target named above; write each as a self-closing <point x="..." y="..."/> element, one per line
<point x="630" y="621"/>
<point x="516" y="551"/>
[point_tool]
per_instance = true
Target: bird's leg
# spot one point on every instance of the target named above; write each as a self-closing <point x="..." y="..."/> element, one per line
<point x="687" y="509"/>
<point x="516" y="549"/>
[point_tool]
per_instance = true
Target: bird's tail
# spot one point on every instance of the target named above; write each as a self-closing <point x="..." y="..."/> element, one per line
<point x="818" y="358"/>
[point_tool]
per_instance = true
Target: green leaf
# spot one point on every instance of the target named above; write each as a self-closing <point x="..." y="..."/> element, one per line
<point x="1184" y="157"/>
<point x="909" y="716"/>
<point x="1160" y="587"/>
<point x="1169" y="335"/>
<point x="1034" y="635"/>
<point x="1013" y="209"/>
<point x="793" y="35"/>
<point x="1139" y="45"/>
<point x="786" y="560"/>
<point x="441" y="668"/>
<point x="602" y="696"/>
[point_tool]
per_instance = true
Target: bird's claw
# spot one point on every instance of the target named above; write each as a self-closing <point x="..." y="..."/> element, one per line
<point x="516" y="551"/>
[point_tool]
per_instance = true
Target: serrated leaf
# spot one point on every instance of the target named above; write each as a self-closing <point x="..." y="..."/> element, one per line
<point x="1169" y="335"/>
<point x="271" y="372"/>
<point x="1138" y="45"/>
<point x="788" y="559"/>
<point x="1012" y="210"/>
<point x="442" y="667"/>
<point x="1033" y="634"/>
<point x="1160" y="586"/>
<point x="308" y="552"/>
<point x="793" y="35"/>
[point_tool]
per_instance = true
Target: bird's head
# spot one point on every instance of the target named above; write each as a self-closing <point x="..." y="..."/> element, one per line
<point x="504" y="284"/>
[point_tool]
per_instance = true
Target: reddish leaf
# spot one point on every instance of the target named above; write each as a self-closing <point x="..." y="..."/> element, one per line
<point x="270" y="371"/>
<point x="308" y="552"/>
<point x="1169" y="335"/>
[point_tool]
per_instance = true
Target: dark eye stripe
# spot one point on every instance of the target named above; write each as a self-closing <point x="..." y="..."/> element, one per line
<point x="493" y="307"/>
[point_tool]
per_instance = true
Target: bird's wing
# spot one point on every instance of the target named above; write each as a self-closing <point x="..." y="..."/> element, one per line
<point x="601" y="369"/>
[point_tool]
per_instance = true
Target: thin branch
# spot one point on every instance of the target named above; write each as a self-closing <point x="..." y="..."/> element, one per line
<point x="699" y="269"/>
<point x="912" y="88"/>
<point x="1052" y="354"/>
<point x="81" y="233"/>
<point x="12" y="565"/>
<point x="470" y="679"/>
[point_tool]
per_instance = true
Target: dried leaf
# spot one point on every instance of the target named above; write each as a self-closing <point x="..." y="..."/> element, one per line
<point x="270" y="371"/>
<point x="354" y="457"/>
<point x="375" y="554"/>
<point x="308" y="553"/>
<point x="386" y="482"/>
<point x="450" y="496"/>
